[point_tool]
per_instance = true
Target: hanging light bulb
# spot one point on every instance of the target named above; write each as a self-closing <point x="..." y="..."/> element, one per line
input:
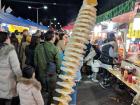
<point x="136" y="22"/>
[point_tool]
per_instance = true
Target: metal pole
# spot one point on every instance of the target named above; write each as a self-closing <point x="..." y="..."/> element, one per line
<point x="50" y="22"/>
<point x="37" y="14"/>
<point x="0" y="5"/>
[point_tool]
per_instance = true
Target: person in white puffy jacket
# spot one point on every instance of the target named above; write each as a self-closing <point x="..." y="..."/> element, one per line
<point x="29" y="89"/>
<point x="9" y="71"/>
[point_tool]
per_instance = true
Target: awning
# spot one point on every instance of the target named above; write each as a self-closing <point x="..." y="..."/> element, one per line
<point x="119" y="10"/>
<point x="15" y="19"/>
<point x="124" y="18"/>
<point x="10" y="19"/>
<point x="70" y="26"/>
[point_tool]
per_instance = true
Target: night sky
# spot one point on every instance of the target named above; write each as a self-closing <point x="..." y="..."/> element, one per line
<point x="65" y="12"/>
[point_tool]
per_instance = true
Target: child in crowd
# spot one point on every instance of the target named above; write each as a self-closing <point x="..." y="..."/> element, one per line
<point x="77" y="80"/>
<point x="29" y="88"/>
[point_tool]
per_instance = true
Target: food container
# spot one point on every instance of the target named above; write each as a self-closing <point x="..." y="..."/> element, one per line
<point x="134" y="79"/>
<point x="129" y="78"/>
<point x="122" y="71"/>
<point x="125" y="75"/>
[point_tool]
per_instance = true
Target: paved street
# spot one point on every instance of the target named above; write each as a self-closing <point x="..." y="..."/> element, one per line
<point x="92" y="94"/>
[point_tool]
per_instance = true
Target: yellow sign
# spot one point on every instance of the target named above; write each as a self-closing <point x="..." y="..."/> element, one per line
<point x="12" y="28"/>
<point x="133" y="33"/>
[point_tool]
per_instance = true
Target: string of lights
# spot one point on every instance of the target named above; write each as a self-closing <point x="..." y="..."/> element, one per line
<point x="35" y="2"/>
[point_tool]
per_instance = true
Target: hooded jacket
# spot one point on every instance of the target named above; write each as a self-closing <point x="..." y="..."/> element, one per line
<point x="106" y="57"/>
<point x="115" y="47"/>
<point x="29" y="92"/>
<point x="9" y="71"/>
<point x="40" y="57"/>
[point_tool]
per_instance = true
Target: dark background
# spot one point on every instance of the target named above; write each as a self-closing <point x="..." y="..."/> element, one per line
<point x="65" y="11"/>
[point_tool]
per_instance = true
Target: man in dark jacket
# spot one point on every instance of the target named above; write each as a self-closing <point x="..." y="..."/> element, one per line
<point x="44" y="54"/>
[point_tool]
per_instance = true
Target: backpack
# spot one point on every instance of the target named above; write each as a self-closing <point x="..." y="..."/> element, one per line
<point x="105" y="57"/>
<point x="51" y="65"/>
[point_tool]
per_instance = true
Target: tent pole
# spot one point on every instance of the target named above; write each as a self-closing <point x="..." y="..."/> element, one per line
<point x="0" y="5"/>
<point x="37" y="14"/>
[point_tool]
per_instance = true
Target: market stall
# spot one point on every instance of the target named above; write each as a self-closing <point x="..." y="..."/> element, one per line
<point x="11" y="23"/>
<point x="124" y="22"/>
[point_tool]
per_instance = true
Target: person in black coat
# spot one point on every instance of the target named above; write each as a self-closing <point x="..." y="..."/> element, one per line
<point x="30" y="50"/>
<point x="14" y="42"/>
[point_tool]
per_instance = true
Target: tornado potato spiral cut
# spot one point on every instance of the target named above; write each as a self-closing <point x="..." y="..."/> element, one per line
<point x="75" y="51"/>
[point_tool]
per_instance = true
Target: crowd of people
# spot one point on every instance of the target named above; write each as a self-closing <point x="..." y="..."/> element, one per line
<point x="100" y="57"/>
<point x="30" y="65"/>
<point x="24" y="61"/>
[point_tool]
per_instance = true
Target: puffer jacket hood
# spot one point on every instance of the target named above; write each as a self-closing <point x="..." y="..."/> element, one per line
<point x="31" y="82"/>
<point x="108" y="43"/>
<point x="5" y="49"/>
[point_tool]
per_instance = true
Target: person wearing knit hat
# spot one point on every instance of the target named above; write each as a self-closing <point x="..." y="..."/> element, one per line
<point x="29" y="89"/>
<point x="28" y="72"/>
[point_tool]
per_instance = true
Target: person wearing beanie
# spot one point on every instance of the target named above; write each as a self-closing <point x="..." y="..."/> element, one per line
<point x="29" y="89"/>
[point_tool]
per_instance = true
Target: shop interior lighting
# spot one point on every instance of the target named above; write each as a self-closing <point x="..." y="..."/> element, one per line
<point x="110" y="26"/>
<point x="133" y="39"/>
<point x="119" y="33"/>
<point x="97" y="29"/>
<point x="127" y="45"/>
<point x="136" y="23"/>
<point x="4" y="24"/>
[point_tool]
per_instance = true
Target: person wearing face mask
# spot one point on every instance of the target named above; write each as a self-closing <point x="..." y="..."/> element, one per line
<point x="9" y="71"/>
<point x="48" y="61"/>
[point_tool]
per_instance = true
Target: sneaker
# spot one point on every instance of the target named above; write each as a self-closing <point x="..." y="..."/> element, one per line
<point x="107" y="85"/>
<point x="104" y="85"/>
<point x="101" y="84"/>
<point x="89" y="77"/>
<point x="94" y="80"/>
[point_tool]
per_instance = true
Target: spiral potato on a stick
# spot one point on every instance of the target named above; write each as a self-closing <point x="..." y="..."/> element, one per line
<point x="75" y="51"/>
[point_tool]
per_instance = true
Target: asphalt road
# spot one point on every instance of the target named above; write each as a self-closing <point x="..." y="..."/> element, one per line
<point x="90" y="93"/>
